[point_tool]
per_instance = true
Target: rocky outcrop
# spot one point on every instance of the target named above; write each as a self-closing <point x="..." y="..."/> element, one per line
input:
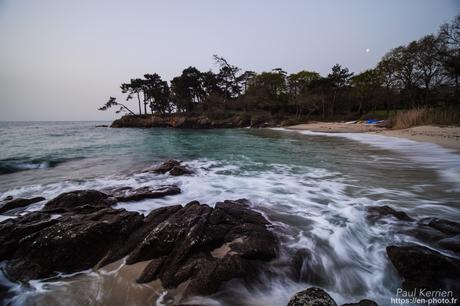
<point x="422" y="267"/>
<point x="205" y="247"/>
<point x="182" y="121"/>
<point x="194" y="244"/>
<point x="173" y="167"/>
<point x="71" y="243"/>
<point x="314" y="296"/>
<point x="439" y="233"/>
<point x="18" y="203"/>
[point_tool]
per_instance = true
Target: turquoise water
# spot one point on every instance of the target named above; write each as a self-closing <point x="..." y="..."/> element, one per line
<point x="313" y="187"/>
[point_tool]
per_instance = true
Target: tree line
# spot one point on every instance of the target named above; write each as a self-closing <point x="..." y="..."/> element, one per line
<point x="423" y="73"/>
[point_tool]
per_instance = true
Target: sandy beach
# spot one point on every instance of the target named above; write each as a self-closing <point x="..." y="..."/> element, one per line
<point x="446" y="136"/>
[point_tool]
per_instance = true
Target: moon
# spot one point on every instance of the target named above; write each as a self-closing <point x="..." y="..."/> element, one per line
<point x="368" y="50"/>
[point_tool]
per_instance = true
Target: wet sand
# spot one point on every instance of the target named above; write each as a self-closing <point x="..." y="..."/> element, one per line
<point x="446" y="136"/>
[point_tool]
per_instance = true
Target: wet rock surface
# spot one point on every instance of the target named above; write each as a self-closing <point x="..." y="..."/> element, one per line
<point x="197" y="244"/>
<point x="422" y="267"/>
<point x="10" y="203"/>
<point x="128" y="194"/>
<point x="205" y="246"/>
<point x="73" y="200"/>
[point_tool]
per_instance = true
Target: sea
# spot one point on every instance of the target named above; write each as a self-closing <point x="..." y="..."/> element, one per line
<point x="314" y="188"/>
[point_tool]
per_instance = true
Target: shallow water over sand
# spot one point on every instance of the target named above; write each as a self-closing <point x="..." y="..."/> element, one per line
<point x="313" y="188"/>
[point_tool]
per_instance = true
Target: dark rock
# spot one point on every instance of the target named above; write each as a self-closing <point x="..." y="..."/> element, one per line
<point x="12" y="231"/>
<point x="205" y="246"/>
<point x="18" y="203"/>
<point x="445" y="226"/>
<point x="8" y="198"/>
<point x="172" y="166"/>
<point x="180" y="170"/>
<point x="312" y="297"/>
<point x="422" y="267"/>
<point x="127" y="194"/>
<point x="102" y="126"/>
<point x="185" y="121"/>
<point x="364" y="302"/>
<point x="80" y="198"/>
<point x="167" y="166"/>
<point x="73" y="243"/>
<point x="450" y="243"/>
<point x="379" y="211"/>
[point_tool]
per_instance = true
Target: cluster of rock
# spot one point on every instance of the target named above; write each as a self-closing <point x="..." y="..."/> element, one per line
<point x="194" y="244"/>
<point x="420" y="266"/>
<point x="198" y="121"/>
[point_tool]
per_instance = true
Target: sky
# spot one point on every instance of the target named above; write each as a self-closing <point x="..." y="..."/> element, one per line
<point x="62" y="59"/>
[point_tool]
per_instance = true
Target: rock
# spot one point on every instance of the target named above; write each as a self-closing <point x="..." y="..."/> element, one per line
<point x="205" y="246"/>
<point x="8" y="198"/>
<point x="180" y="170"/>
<point x="172" y="166"/>
<point x="127" y="194"/>
<point x="364" y="302"/>
<point x="78" y="199"/>
<point x="379" y="211"/>
<point x="445" y="226"/>
<point x="312" y="297"/>
<point x="450" y="243"/>
<point x="422" y="267"/>
<point x="72" y="243"/>
<point x="12" y="231"/>
<point x="102" y="126"/>
<point x="18" y="203"/>
<point x="167" y="166"/>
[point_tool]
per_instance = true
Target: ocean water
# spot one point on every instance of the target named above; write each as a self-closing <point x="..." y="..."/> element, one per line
<point x="313" y="187"/>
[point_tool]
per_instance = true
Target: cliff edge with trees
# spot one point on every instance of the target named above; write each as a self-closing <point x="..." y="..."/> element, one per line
<point x="422" y="74"/>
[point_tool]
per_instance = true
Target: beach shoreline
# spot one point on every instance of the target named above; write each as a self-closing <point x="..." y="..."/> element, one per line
<point x="445" y="136"/>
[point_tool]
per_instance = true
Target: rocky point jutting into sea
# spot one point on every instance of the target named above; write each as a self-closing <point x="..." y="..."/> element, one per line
<point x="238" y="217"/>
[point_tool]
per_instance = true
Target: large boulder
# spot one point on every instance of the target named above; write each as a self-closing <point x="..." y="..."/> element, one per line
<point x="312" y="297"/>
<point x="422" y="267"/>
<point x="18" y="203"/>
<point x="69" y="243"/>
<point x="205" y="247"/>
